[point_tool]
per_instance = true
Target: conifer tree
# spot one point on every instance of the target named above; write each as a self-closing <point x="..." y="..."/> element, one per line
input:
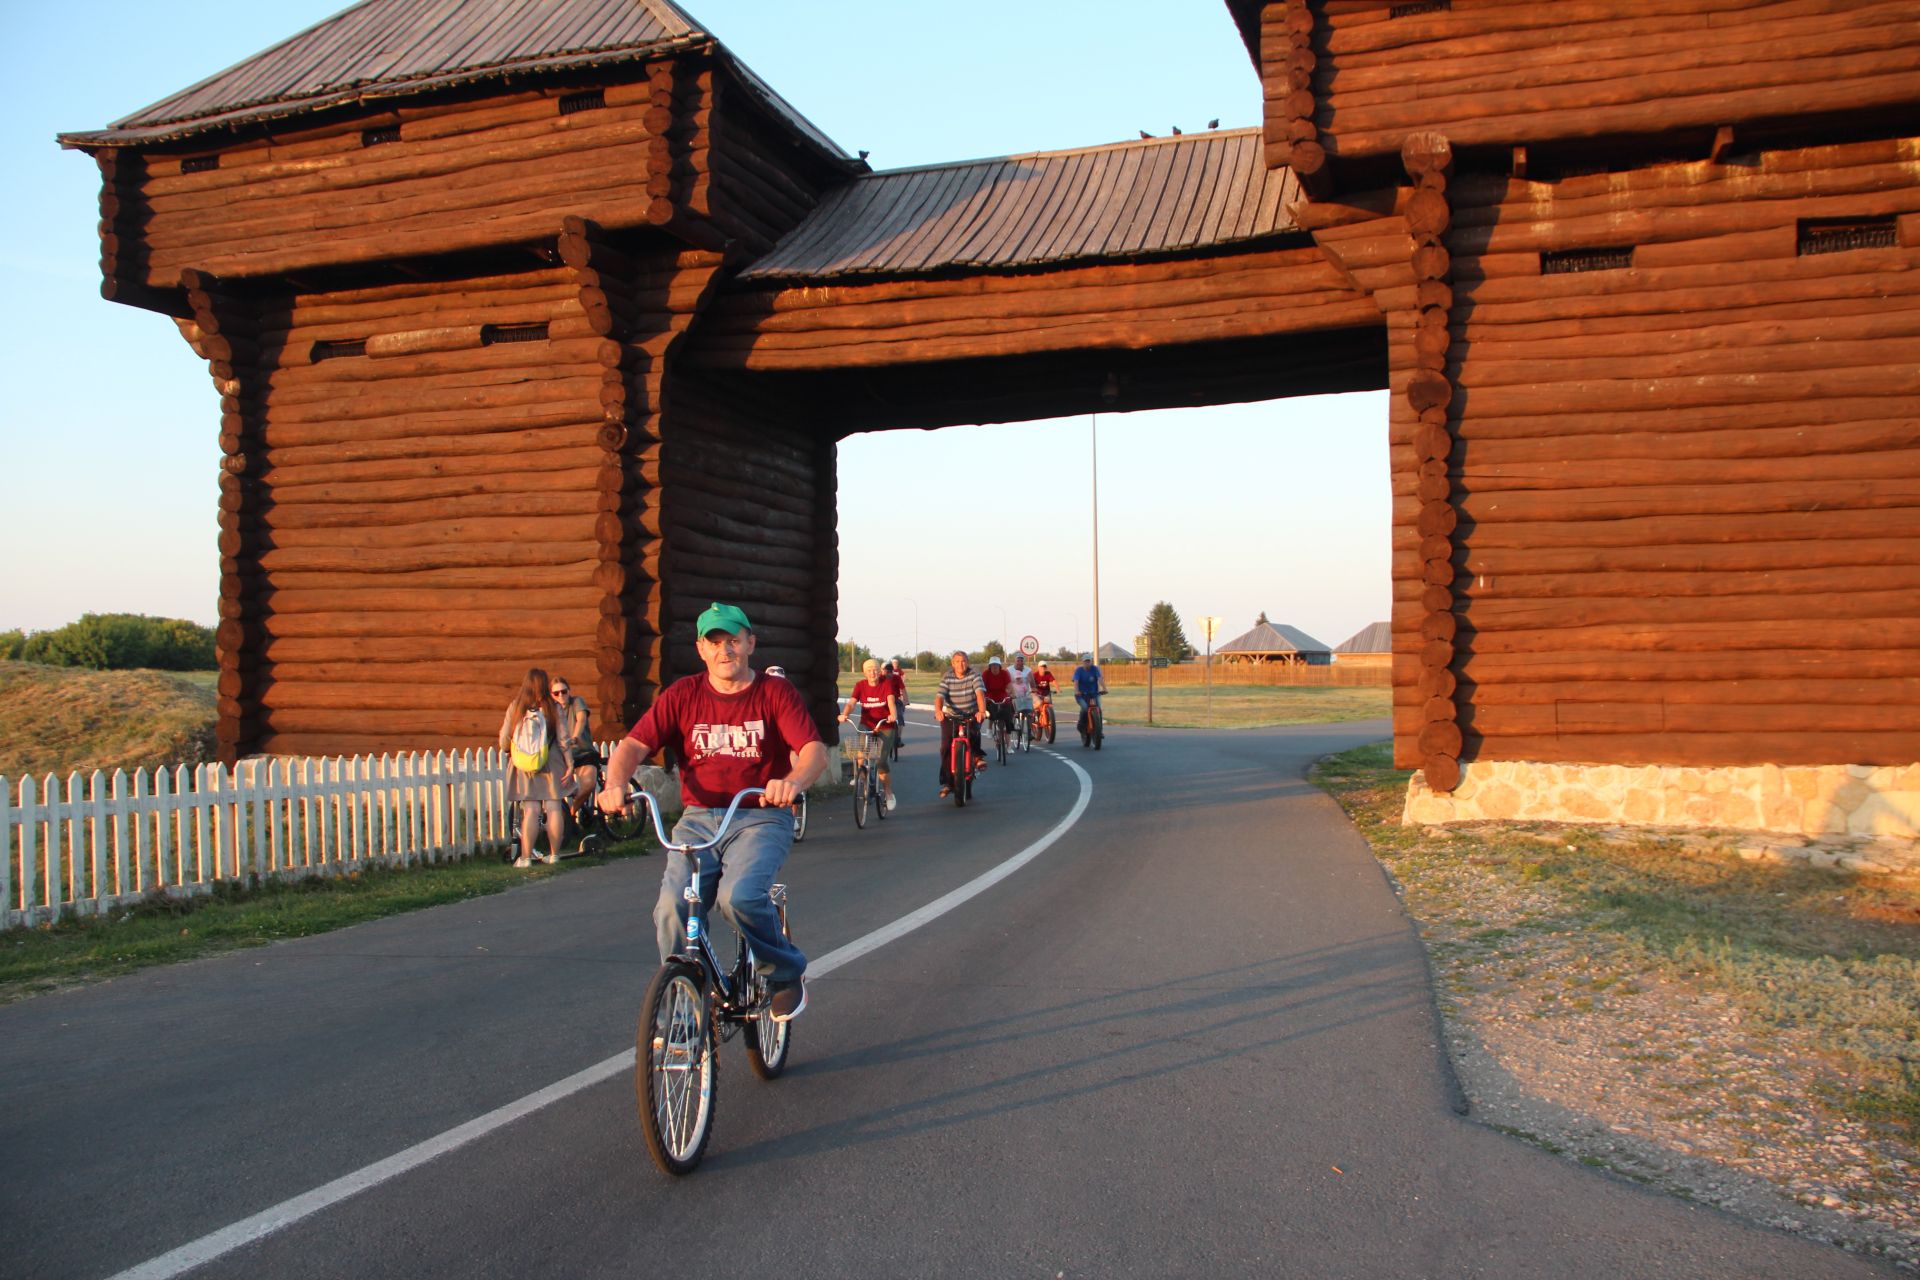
<point x="1163" y="629"/>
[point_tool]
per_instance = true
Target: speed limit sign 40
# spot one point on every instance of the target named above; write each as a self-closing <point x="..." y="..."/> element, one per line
<point x="1029" y="645"/>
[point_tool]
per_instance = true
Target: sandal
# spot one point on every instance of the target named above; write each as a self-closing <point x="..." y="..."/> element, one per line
<point x="945" y="792"/>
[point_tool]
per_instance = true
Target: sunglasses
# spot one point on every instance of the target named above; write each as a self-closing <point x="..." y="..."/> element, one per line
<point x="561" y="693"/>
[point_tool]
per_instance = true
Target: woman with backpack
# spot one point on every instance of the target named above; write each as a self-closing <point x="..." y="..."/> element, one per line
<point x="537" y="779"/>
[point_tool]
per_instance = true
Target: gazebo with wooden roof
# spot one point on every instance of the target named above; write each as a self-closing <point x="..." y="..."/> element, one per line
<point x="1274" y="642"/>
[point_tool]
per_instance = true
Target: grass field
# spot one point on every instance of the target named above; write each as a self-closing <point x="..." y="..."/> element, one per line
<point x="1184" y="707"/>
<point x="58" y="719"/>
<point x="1829" y="958"/>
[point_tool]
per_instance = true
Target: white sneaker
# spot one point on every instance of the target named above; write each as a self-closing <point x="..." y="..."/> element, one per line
<point x="522" y="862"/>
<point x="892" y="802"/>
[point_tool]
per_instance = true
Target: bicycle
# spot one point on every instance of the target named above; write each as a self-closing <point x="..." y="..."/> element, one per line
<point x="874" y="744"/>
<point x="1023" y="729"/>
<point x="691" y="1008"/>
<point x="961" y="762"/>
<point x="1092" y="725"/>
<point x="1000" y="734"/>
<point x="1043" y="718"/>
<point x="596" y="830"/>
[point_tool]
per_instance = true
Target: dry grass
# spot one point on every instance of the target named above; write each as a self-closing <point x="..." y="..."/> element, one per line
<point x="1243" y="706"/>
<point x="59" y="719"/>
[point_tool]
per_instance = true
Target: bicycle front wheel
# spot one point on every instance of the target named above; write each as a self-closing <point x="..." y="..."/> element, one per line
<point x="677" y="1073"/>
<point x="862" y="794"/>
<point x="623" y="826"/>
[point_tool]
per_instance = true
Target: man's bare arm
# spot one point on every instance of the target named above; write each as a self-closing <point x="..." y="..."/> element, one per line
<point x="627" y="757"/>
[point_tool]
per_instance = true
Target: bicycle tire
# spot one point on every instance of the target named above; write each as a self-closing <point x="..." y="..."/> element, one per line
<point x="1098" y="723"/>
<point x="677" y="1074"/>
<point x="961" y="768"/>
<point x="1000" y="744"/>
<point x="621" y="827"/>
<point x="861" y="795"/>
<point x="769" y="1042"/>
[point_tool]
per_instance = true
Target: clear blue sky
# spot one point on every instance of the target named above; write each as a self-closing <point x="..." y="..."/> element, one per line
<point x="109" y="425"/>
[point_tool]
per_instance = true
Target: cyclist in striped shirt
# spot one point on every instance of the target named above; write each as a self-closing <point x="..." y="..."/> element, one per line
<point x="962" y="699"/>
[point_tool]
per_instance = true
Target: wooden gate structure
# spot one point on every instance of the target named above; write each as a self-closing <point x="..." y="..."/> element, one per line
<point x="535" y="327"/>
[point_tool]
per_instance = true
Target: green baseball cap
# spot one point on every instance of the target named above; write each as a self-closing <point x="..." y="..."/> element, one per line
<point x="722" y="617"/>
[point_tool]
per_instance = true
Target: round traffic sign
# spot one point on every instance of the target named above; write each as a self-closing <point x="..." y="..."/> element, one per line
<point x="1029" y="645"/>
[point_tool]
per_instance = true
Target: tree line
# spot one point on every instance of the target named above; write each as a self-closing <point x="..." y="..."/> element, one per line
<point x="115" y="642"/>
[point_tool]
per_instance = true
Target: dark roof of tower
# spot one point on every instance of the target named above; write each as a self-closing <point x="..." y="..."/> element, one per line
<point x="1160" y="195"/>
<point x="380" y="49"/>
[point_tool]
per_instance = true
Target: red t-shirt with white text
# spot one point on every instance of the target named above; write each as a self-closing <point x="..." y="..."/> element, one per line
<point x="727" y="741"/>
<point x="872" y="700"/>
<point x="1043" y="682"/>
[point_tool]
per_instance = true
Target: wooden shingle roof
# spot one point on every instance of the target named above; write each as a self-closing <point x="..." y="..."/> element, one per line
<point x="1272" y="637"/>
<point x="389" y="48"/>
<point x="1375" y="637"/>
<point x="1154" y="196"/>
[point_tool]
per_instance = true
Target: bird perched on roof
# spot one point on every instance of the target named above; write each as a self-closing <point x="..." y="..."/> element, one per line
<point x="1176" y="131"/>
<point x="1214" y="123"/>
<point x="1145" y="134"/>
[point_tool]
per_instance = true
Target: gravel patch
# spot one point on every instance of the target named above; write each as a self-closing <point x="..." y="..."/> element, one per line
<point x="1576" y="1036"/>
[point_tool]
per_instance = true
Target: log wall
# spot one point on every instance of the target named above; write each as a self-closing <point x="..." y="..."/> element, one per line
<point x="750" y="519"/>
<point x="458" y="176"/>
<point x="408" y="509"/>
<point x="1515" y="72"/>
<point x="1687" y="479"/>
<point x="1108" y="306"/>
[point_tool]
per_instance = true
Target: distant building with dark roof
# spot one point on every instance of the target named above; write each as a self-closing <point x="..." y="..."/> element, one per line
<point x="1375" y="637"/>
<point x="1275" y="642"/>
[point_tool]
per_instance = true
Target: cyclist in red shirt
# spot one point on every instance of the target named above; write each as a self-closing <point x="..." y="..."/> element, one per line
<point x="1043" y="682"/>
<point x="873" y="694"/>
<point x="898" y="680"/>
<point x="734" y="728"/>
<point x="999" y="687"/>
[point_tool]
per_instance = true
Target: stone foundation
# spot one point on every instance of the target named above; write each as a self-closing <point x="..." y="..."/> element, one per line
<point x="1823" y="800"/>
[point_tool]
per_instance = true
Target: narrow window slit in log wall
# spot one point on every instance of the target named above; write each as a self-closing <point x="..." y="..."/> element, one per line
<point x="199" y="164"/>
<point x="334" y="349"/>
<point x="1420" y="7"/>
<point x="374" y="137"/>
<point x="494" y="334"/>
<point x="1560" y="262"/>
<point x="589" y="100"/>
<point x="1837" y="235"/>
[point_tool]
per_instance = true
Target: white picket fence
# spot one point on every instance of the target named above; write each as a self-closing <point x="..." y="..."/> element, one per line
<point x="102" y="842"/>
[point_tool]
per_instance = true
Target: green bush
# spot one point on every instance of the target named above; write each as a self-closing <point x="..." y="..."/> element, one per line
<point x="116" y="642"/>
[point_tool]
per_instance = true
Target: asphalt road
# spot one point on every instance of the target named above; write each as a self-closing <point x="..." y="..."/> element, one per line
<point x="1194" y="1036"/>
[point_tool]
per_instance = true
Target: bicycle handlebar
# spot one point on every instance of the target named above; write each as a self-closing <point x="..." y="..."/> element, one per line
<point x="660" y="832"/>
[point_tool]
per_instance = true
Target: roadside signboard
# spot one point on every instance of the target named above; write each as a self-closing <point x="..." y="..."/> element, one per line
<point x="1162" y="662"/>
<point x="1029" y="645"/>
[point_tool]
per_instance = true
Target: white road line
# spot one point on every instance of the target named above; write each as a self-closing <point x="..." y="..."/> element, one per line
<point x="287" y="1212"/>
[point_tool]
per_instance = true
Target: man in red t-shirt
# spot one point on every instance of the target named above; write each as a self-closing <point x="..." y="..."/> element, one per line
<point x="1043" y="682"/>
<point x="733" y="729"/>
<point x="879" y="710"/>
<point x="897" y="678"/>
<point x="999" y="687"/>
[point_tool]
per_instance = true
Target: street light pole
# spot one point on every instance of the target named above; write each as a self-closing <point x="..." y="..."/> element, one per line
<point x="1093" y="420"/>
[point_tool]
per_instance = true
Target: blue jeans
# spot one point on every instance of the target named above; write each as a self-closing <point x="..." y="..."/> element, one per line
<point x="741" y="869"/>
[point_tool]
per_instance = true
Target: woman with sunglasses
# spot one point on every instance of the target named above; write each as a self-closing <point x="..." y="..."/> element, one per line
<point x="576" y="739"/>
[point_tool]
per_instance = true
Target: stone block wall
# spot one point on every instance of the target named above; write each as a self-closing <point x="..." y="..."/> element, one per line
<point x="1824" y="800"/>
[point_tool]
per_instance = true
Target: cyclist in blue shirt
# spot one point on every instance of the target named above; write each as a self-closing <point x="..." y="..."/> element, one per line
<point x="1088" y="685"/>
